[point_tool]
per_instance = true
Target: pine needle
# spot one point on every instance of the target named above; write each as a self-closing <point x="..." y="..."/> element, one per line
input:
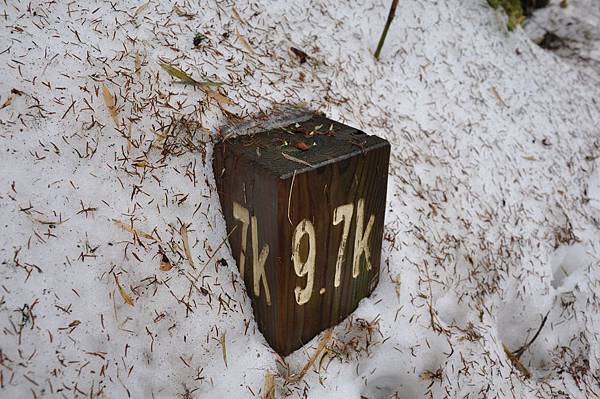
<point x="184" y="77"/>
<point x="223" y="348"/>
<point x="129" y="145"/>
<point x="297" y="377"/>
<point x="133" y="230"/>
<point x="110" y="103"/>
<point x="124" y="294"/>
<point x="186" y="244"/>
<point x="138" y="64"/>
<point x="294" y="159"/>
<point x="516" y="362"/>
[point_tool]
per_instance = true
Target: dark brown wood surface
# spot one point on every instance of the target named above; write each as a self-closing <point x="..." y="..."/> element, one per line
<point x="529" y="6"/>
<point x="295" y="177"/>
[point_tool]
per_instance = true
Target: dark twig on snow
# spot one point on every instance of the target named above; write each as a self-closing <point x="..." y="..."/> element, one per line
<point x="523" y="348"/>
<point x="386" y="28"/>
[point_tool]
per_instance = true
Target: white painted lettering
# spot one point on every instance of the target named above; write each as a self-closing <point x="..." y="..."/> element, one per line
<point x="306" y="268"/>
<point x="342" y="213"/>
<point x="240" y="213"/>
<point x="361" y="239"/>
<point x="258" y="262"/>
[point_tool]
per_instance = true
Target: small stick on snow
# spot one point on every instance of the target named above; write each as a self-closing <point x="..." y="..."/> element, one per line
<point x="390" y="18"/>
<point x="313" y="358"/>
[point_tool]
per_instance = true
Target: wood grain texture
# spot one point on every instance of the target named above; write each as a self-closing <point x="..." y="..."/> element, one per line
<point x="269" y="174"/>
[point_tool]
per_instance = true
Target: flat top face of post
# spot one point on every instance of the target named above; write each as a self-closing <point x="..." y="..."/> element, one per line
<point x="302" y="146"/>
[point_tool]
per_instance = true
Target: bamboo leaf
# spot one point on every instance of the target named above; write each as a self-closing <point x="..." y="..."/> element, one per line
<point x="224" y="348"/>
<point x="218" y="97"/>
<point x="133" y="230"/>
<point x="245" y="43"/>
<point x="141" y="8"/>
<point x="123" y="293"/>
<point x="110" y="103"/>
<point x="269" y="386"/>
<point x="138" y="64"/>
<point x="184" y="77"/>
<point x="514" y="359"/>
<point x="186" y="244"/>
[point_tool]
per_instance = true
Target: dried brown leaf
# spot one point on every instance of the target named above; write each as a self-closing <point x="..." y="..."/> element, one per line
<point x="124" y="294"/>
<point x="497" y="95"/>
<point x="182" y="12"/>
<point x="300" y="54"/>
<point x="138" y="64"/>
<point x="7" y="102"/>
<point x="218" y="97"/>
<point x="514" y="359"/>
<point x="301" y="145"/>
<point x="133" y="230"/>
<point x="186" y="244"/>
<point x="223" y="348"/>
<point x="111" y="104"/>
<point x="165" y="264"/>
<point x="269" y="386"/>
<point x="129" y="144"/>
<point x="142" y="163"/>
<point x="141" y="8"/>
<point x="184" y="77"/>
<point x="245" y="43"/>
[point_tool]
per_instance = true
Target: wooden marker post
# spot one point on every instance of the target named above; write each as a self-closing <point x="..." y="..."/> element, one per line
<point x="307" y="202"/>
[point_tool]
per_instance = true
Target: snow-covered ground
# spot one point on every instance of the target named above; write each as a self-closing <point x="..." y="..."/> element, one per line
<point x="571" y="31"/>
<point x="493" y="217"/>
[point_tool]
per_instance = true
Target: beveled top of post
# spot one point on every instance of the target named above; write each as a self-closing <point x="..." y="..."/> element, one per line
<point x="301" y="146"/>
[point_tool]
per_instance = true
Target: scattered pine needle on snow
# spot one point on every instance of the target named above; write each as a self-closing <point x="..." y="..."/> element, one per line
<point x="491" y="214"/>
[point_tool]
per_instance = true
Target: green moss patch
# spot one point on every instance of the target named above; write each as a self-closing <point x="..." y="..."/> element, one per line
<point x="514" y="10"/>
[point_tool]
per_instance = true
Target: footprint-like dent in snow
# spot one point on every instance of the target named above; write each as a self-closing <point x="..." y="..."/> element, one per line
<point x="520" y="319"/>
<point x="593" y="190"/>
<point x="389" y="386"/>
<point x="450" y="309"/>
<point x="392" y="373"/>
<point x="565" y="262"/>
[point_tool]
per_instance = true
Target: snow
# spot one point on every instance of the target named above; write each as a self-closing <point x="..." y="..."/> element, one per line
<point x="492" y="218"/>
<point x="572" y="32"/>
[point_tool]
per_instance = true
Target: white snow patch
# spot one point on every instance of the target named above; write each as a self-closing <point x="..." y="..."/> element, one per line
<point x="492" y="215"/>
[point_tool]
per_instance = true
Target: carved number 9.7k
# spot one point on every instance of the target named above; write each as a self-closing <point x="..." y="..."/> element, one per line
<point x="306" y="267"/>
